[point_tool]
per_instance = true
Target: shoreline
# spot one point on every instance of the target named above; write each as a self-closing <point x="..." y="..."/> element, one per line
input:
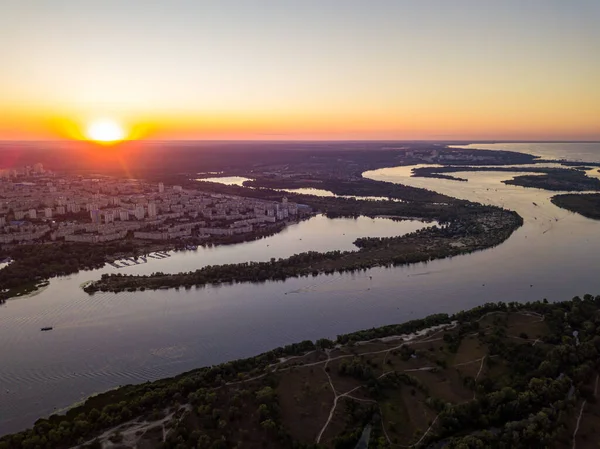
<point x="401" y="344"/>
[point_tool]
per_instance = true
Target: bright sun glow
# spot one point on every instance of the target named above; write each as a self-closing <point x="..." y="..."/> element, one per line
<point x="105" y="131"/>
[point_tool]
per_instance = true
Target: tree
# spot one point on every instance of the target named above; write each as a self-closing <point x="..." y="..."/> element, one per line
<point x="324" y="343"/>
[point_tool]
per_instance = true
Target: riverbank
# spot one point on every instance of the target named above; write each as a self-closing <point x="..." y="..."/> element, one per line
<point x="34" y="264"/>
<point x="415" y="382"/>
<point x="466" y="227"/>
<point x="478" y="231"/>
<point x="587" y="204"/>
<point x="569" y="180"/>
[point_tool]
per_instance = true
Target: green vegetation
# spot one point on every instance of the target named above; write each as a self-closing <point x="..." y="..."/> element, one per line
<point x="505" y="375"/>
<point x="38" y="262"/>
<point x="362" y="187"/>
<point x="482" y="230"/>
<point x="548" y="178"/>
<point x="587" y="205"/>
<point x="34" y="263"/>
<point x="465" y="227"/>
<point x="557" y="180"/>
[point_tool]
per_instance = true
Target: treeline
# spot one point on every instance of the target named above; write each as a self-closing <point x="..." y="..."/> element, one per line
<point x="587" y="205"/>
<point x="425" y="245"/>
<point x="557" y="180"/>
<point x="32" y="263"/>
<point x="531" y="401"/>
<point x="428" y="172"/>
<point x="532" y="405"/>
<point x="362" y="187"/>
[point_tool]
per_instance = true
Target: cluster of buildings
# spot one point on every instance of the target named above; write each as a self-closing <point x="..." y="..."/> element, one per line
<point x="437" y="156"/>
<point x="29" y="170"/>
<point x="36" y="205"/>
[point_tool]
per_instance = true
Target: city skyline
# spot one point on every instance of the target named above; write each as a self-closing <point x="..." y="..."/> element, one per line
<point x="286" y="70"/>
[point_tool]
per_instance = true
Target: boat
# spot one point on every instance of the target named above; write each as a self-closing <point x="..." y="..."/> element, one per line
<point x="535" y="204"/>
<point x="47" y="328"/>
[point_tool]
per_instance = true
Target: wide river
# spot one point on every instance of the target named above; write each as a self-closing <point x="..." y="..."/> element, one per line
<point x="106" y="340"/>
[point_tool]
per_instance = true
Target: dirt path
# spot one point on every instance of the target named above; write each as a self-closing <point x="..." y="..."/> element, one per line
<point x="581" y="413"/>
<point x="578" y="421"/>
<point x="131" y="429"/>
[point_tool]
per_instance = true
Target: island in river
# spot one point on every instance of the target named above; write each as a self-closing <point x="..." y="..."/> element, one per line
<point x="472" y="231"/>
<point x="516" y="375"/>
<point x="90" y="244"/>
<point x="586" y="204"/>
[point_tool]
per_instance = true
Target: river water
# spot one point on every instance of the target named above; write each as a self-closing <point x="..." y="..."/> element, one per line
<point x="586" y="152"/>
<point x="108" y="339"/>
<point x="102" y="341"/>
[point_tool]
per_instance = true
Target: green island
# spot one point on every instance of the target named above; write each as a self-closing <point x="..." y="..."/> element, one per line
<point x="587" y="204"/>
<point x="557" y="180"/>
<point x="502" y="375"/>
<point x="338" y="171"/>
<point x="460" y="236"/>
<point x="573" y="178"/>
<point x="464" y="227"/>
<point x="32" y="265"/>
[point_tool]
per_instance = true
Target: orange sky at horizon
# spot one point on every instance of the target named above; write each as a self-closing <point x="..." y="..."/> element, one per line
<point x="283" y="70"/>
<point x="437" y="126"/>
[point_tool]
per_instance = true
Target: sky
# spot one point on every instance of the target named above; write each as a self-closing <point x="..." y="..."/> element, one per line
<point x="301" y="69"/>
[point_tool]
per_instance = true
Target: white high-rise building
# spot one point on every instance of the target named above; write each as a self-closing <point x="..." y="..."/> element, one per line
<point x="109" y="217"/>
<point x="152" y="210"/>
<point x="95" y="215"/>
<point x="48" y="212"/>
<point x="139" y="211"/>
<point x="32" y="214"/>
<point x="124" y="215"/>
<point x="38" y="168"/>
<point x="161" y="187"/>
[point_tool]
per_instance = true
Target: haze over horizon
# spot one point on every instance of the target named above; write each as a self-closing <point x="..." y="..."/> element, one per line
<point x="385" y="70"/>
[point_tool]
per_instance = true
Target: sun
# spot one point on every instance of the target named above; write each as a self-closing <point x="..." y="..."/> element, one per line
<point x="105" y="131"/>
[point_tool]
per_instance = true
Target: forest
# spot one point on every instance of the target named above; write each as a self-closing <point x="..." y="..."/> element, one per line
<point x="568" y="180"/>
<point x="459" y="236"/>
<point x="586" y="204"/>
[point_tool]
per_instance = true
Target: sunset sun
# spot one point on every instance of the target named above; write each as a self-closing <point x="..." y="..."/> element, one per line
<point x="105" y="131"/>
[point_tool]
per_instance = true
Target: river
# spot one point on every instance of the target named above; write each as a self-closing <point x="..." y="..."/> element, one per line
<point x="573" y="151"/>
<point x="101" y="341"/>
<point x="107" y="339"/>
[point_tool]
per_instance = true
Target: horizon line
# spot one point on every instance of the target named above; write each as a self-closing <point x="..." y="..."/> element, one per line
<point x="447" y="141"/>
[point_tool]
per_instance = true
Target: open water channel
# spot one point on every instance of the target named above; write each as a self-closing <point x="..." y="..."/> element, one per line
<point x="106" y="340"/>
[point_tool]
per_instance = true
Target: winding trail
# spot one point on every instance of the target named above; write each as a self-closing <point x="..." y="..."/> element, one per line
<point x="424" y="336"/>
<point x="581" y="413"/>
